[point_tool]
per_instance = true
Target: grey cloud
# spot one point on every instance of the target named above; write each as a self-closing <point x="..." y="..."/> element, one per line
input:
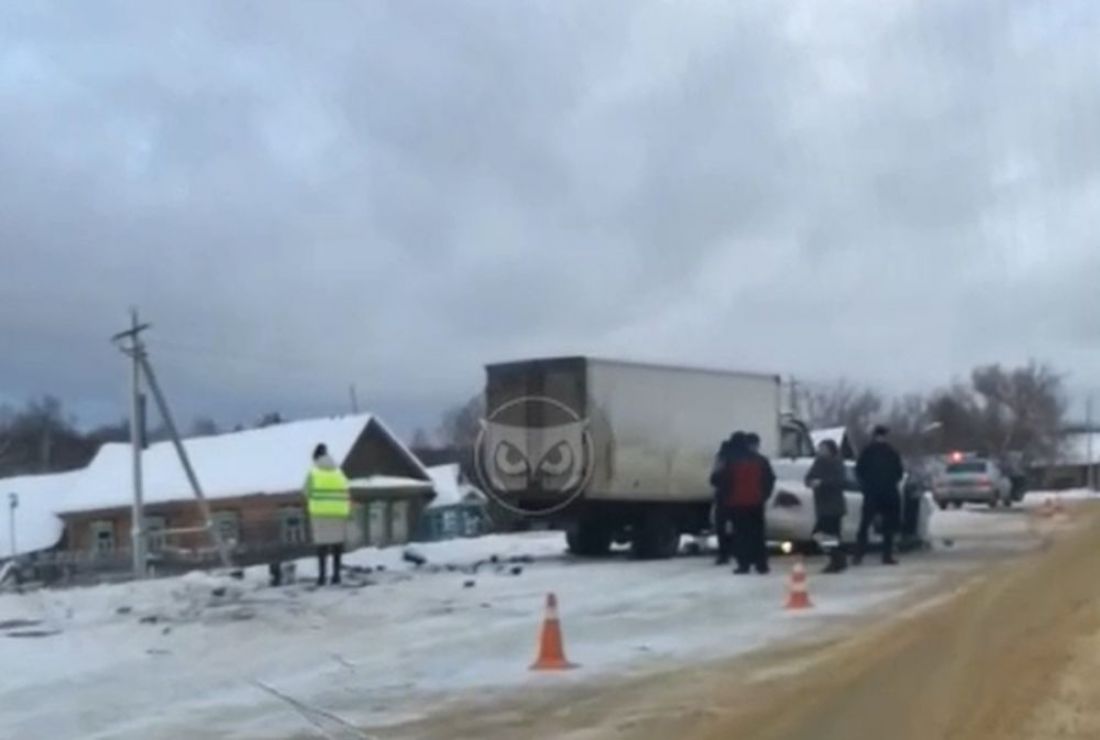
<point x="431" y="186"/>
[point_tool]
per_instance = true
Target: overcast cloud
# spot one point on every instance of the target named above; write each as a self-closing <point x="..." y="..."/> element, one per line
<point x="301" y="195"/>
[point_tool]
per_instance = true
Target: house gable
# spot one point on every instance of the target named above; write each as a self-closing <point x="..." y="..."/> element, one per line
<point x="377" y="452"/>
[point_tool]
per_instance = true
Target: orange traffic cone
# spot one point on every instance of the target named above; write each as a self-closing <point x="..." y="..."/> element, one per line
<point x="797" y="595"/>
<point x="551" y="650"/>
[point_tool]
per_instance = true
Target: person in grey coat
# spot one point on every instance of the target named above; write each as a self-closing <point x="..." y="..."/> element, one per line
<point x="826" y="478"/>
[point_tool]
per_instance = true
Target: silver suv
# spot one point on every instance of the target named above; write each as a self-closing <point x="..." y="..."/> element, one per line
<point x="972" y="480"/>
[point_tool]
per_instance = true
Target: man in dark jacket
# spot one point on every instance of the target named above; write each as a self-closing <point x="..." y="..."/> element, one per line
<point x="744" y="484"/>
<point x="723" y="521"/>
<point x="880" y="471"/>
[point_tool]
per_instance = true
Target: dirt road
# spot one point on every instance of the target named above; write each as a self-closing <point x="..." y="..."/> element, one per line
<point x="1011" y="654"/>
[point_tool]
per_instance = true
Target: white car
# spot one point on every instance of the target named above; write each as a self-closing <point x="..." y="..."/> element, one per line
<point x="973" y="480"/>
<point x="790" y="515"/>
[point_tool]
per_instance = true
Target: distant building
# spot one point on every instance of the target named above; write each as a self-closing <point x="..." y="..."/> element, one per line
<point x="1080" y="450"/>
<point x="253" y="480"/>
<point x="458" y="509"/>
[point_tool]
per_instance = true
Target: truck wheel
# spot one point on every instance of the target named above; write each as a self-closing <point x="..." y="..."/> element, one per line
<point x="656" y="538"/>
<point x="589" y="539"/>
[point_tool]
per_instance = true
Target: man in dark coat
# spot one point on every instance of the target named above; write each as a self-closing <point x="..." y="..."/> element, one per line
<point x="880" y="471"/>
<point x="744" y="484"/>
<point x="723" y="521"/>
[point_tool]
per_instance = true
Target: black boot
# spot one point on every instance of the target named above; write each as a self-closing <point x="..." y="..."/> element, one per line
<point x="838" y="562"/>
<point x="337" y="552"/>
<point x="322" y="556"/>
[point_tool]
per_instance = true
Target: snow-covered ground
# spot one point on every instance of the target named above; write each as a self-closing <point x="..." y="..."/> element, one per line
<point x="182" y="657"/>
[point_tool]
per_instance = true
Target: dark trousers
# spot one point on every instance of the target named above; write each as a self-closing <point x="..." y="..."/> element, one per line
<point x="749" y="544"/>
<point x="323" y="551"/>
<point x="830" y="526"/>
<point x="886" y="507"/>
<point x="723" y="525"/>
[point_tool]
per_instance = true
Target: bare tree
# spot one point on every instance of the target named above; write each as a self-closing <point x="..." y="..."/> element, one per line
<point x="1004" y="412"/>
<point x="204" y="426"/>
<point x="421" y="440"/>
<point x="460" y="425"/>
<point x="842" y="404"/>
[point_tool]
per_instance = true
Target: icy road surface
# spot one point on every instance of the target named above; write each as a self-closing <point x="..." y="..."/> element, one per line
<point x="176" y="657"/>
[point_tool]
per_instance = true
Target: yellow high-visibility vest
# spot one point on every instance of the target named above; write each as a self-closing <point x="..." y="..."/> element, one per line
<point x="327" y="494"/>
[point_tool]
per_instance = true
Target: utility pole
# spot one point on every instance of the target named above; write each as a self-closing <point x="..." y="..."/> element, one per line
<point x="185" y="461"/>
<point x="354" y="398"/>
<point x="13" y="504"/>
<point x="1090" y="468"/>
<point x="132" y="346"/>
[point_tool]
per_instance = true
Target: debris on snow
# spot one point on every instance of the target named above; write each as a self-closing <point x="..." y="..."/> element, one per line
<point x="11" y="624"/>
<point x="34" y="633"/>
<point x="412" y="556"/>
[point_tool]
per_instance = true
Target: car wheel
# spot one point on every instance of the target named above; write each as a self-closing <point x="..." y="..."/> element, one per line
<point x="943" y="505"/>
<point x="993" y="504"/>
<point x="958" y="504"/>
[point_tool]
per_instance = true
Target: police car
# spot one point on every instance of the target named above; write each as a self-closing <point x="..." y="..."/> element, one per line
<point x="968" y="478"/>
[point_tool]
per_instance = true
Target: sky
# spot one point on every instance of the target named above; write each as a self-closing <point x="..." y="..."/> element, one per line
<point x="304" y="196"/>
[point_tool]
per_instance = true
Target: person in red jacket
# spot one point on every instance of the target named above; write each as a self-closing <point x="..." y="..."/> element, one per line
<point x="744" y="482"/>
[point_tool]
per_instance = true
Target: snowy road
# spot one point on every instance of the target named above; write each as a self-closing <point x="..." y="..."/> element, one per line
<point x="176" y="657"/>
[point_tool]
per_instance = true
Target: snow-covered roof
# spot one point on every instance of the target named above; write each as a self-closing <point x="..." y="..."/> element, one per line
<point x="37" y="526"/>
<point x="272" y="459"/>
<point x="1075" y="448"/>
<point x="449" y="486"/>
<point x="388" y="482"/>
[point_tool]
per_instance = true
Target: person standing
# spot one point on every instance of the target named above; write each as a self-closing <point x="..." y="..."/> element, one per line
<point x="745" y="483"/>
<point x="723" y="521"/>
<point x="328" y="500"/>
<point x="826" y="478"/>
<point x="880" y="471"/>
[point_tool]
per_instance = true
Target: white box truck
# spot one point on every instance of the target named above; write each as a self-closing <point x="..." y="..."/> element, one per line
<point x="618" y="451"/>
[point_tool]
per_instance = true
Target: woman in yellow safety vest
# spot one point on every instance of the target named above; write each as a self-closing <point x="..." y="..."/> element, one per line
<point x="328" y="501"/>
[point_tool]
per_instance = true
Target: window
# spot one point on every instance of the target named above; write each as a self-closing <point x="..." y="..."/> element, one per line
<point x="450" y="522"/>
<point x="228" y="524"/>
<point x="471" y="523"/>
<point x="292" y="525"/>
<point x="103" y="536"/>
<point x="968" y="467"/>
<point x="154" y="532"/>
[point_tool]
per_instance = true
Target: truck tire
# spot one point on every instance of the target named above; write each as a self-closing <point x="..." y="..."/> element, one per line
<point x="657" y="537"/>
<point x="589" y="539"/>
